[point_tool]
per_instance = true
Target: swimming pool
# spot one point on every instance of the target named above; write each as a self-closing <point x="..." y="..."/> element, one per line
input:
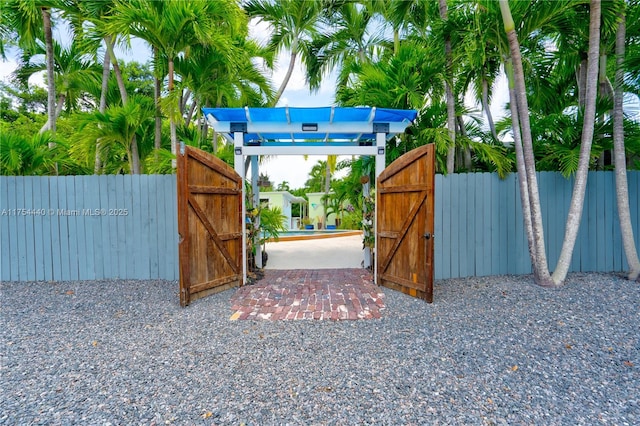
<point x="316" y="234"/>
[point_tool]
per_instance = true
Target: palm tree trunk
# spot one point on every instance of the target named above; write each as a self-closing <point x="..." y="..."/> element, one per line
<point x="540" y="268"/>
<point x="51" y="84"/>
<point x="57" y="111"/>
<point x="118" y="73"/>
<point x="135" y="157"/>
<point x="106" y="72"/>
<point x="157" y="138"/>
<point x="184" y="98"/>
<point x="451" y="106"/>
<point x="622" y="189"/>
<point x="134" y="167"/>
<point x="287" y="76"/>
<point x="59" y="105"/>
<point x="522" y="173"/>
<point x="487" y="110"/>
<point x="580" y="186"/>
<point x="466" y="150"/>
<point x="172" y="120"/>
<point x="192" y="108"/>
<point x="582" y="82"/>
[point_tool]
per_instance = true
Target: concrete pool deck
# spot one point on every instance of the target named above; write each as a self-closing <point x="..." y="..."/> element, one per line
<point x="326" y="253"/>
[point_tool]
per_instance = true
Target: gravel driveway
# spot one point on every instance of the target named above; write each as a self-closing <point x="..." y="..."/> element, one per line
<point x="492" y="350"/>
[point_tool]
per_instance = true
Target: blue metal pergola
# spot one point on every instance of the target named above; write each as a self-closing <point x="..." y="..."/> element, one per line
<point x="326" y="127"/>
<point x="306" y="131"/>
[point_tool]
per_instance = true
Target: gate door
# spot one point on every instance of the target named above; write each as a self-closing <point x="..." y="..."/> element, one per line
<point x="209" y="224"/>
<point x="405" y="208"/>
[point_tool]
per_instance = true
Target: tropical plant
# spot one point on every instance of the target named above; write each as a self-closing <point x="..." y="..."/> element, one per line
<point x="173" y="27"/>
<point x="272" y="223"/>
<point x="75" y="76"/>
<point x="20" y="155"/>
<point x="120" y="128"/>
<point x="294" y="25"/>
<point x="31" y="22"/>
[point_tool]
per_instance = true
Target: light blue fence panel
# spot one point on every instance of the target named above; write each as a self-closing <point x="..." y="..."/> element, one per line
<point x="154" y="186"/>
<point x="5" y="246"/>
<point x="85" y="233"/>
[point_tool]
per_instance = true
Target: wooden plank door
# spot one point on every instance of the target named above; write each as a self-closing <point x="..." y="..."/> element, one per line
<point x="404" y="238"/>
<point x="209" y="224"/>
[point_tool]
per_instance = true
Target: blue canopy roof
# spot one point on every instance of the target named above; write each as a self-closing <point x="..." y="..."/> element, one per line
<point x="313" y="126"/>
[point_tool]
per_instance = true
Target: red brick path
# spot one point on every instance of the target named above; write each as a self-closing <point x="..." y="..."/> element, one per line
<point x="336" y="294"/>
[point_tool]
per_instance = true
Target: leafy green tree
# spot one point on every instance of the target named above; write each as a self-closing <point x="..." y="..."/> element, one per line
<point x="119" y="128"/>
<point x="294" y="24"/>
<point x="31" y="21"/>
<point x="21" y="155"/>
<point x="317" y="176"/>
<point x="75" y="76"/>
<point x="173" y="27"/>
<point x="348" y="37"/>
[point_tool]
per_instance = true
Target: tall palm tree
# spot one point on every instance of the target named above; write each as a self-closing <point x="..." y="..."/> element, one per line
<point x="580" y="185"/>
<point x="173" y="27"/>
<point x="620" y="161"/>
<point x="31" y="21"/>
<point x="119" y="127"/>
<point x="294" y="24"/>
<point x="538" y="255"/>
<point x="348" y="38"/>
<point x="74" y="75"/>
<point x="448" y="86"/>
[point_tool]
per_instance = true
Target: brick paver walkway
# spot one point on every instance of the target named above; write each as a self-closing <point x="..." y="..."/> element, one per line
<point x="336" y="294"/>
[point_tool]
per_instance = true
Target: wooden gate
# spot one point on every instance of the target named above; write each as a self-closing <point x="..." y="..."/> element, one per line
<point x="405" y="208"/>
<point x="209" y="224"/>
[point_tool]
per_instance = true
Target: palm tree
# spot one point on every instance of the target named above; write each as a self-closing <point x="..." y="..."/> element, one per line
<point x="173" y="27"/>
<point x="119" y="128"/>
<point x="481" y="66"/>
<point x="622" y="190"/>
<point x="87" y="18"/>
<point x="208" y="79"/>
<point x="580" y="185"/>
<point x="74" y="75"/>
<point x="448" y="86"/>
<point x="20" y="155"/>
<point x="294" y="24"/>
<point x="31" y="21"/>
<point x="348" y="38"/>
<point x="538" y="255"/>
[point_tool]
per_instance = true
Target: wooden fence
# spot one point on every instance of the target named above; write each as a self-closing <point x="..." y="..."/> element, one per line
<point x="105" y="227"/>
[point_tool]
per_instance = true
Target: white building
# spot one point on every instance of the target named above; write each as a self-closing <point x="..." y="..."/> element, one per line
<point x="284" y="200"/>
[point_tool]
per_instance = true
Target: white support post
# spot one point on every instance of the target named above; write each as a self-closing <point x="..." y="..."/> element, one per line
<point x="367" y="250"/>
<point x="381" y="141"/>
<point x="238" y="164"/>
<point x="256" y="205"/>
